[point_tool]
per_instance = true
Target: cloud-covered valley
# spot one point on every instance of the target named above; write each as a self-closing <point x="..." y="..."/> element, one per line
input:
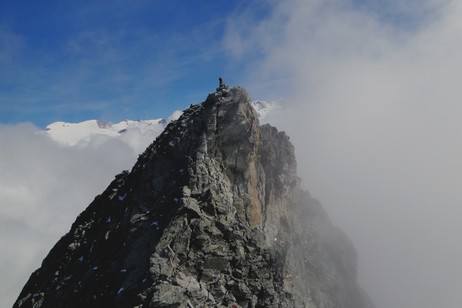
<point x="44" y="186"/>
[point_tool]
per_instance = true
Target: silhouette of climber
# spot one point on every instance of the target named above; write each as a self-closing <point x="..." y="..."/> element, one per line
<point x="220" y="80"/>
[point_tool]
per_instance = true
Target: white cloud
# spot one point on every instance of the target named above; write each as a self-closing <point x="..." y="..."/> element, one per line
<point x="43" y="187"/>
<point x="374" y="113"/>
<point x="175" y="115"/>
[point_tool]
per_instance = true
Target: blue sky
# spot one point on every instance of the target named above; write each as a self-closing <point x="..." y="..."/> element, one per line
<point x="71" y="61"/>
<point x="111" y="60"/>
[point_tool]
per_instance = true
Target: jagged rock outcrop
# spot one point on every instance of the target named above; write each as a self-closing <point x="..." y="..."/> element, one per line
<point x="211" y="215"/>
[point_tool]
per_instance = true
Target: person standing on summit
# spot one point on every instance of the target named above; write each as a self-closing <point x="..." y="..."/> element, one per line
<point x="220" y="80"/>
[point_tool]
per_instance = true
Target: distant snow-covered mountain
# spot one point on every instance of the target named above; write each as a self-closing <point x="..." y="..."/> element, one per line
<point x="73" y="133"/>
<point x="82" y="133"/>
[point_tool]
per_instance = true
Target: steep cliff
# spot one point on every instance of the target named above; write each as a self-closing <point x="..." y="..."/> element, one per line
<point x="211" y="215"/>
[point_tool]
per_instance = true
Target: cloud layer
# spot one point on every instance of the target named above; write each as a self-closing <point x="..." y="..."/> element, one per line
<point x="373" y="108"/>
<point x="43" y="187"/>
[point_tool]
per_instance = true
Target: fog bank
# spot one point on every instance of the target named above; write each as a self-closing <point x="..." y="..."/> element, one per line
<point x="374" y="110"/>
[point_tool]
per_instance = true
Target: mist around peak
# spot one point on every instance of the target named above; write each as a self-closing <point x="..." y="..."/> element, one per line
<point x="373" y="109"/>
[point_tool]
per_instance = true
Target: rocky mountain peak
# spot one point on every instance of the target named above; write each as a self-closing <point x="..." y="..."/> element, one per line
<point x="211" y="215"/>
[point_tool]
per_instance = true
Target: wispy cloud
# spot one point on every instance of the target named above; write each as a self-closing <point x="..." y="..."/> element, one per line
<point x="10" y="45"/>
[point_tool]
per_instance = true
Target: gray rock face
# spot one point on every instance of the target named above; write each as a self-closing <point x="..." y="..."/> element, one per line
<point x="211" y="215"/>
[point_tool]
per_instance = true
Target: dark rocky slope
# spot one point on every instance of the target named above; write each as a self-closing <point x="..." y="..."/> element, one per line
<point x="211" y="215"/>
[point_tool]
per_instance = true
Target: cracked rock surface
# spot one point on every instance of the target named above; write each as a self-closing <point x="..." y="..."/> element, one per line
<point x="211" y="215"/>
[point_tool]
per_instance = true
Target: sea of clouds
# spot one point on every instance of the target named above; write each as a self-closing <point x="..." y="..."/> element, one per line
<point x="43" y="187"/>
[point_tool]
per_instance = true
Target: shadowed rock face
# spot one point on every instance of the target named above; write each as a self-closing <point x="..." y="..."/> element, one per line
<point x="211" y="215"/>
